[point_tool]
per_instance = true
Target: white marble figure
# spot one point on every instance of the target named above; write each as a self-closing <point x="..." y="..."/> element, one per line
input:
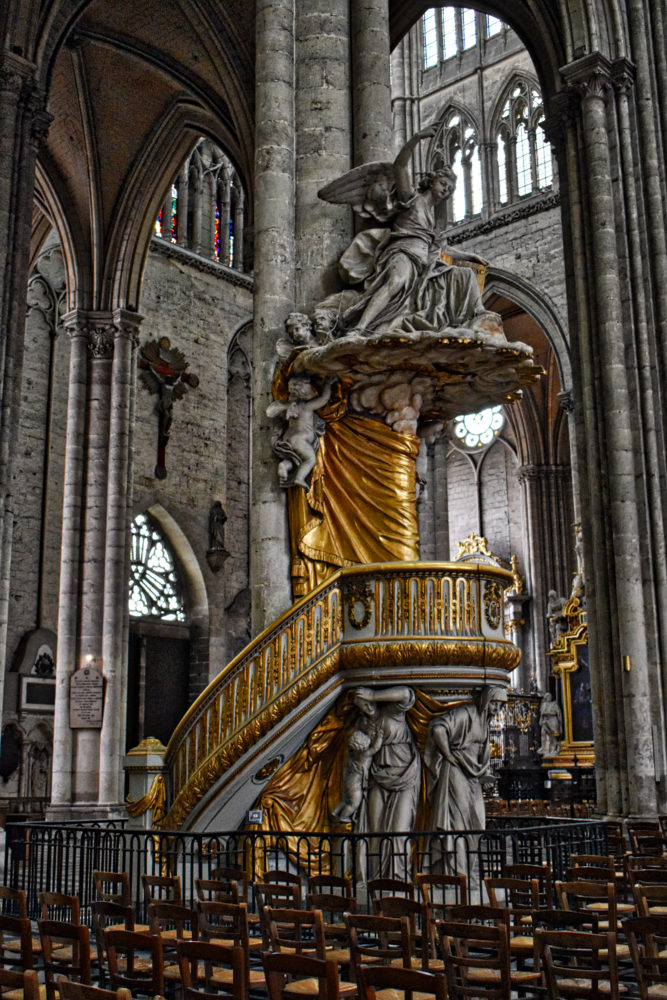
<point x="551" y="726"/>
<point x="407" y="287"/>
<point x="360" y="753"/>
<point x="299" y="331"/>
<point x="557" y="623"/>
<point x="579" y="578"/>
<point x="457" y="755"/>
<point x="395" y="772"/>
<point x="297" y="445"/>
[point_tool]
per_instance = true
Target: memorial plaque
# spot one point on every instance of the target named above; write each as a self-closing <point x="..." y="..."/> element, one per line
<point x="86" y="698"/>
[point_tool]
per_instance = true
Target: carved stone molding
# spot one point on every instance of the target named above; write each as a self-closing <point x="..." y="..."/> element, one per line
<point x="100" y="340"/>
<point x="623" y="75"/>
<point x="523" y="211"/>
<point x="564" y="109"/>
<point x="542" y="473"/>
<point x="175" y="252"/>
<point x="126" y="325"/>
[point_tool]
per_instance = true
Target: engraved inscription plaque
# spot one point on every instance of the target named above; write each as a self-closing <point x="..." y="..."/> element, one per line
<point x="86" y="698"/>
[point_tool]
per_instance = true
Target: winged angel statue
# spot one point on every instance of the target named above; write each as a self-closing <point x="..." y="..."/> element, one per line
<point x="406" y="286"/>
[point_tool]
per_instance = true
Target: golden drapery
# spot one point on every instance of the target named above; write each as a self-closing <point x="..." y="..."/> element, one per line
<point x="155" y="799"/>
<point x="302" y="793"/>
<point x="362" y="503"/>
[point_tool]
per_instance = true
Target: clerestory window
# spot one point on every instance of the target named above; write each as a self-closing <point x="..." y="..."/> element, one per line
<point x="523" y="156"/>
<point x="450" y="30"/>
<point x="457" y="146"/>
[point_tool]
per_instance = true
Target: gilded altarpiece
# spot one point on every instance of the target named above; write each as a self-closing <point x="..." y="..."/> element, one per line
<point x="571" y="666"/>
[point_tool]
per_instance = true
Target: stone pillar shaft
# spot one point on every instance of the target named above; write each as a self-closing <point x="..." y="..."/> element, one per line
<point x="370" y="74"/>
<point x="274" y="295"/>
<point x="70" y="559"/>
<point x="114" y="652"/>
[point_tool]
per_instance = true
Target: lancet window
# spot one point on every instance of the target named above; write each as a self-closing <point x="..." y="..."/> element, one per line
<point x="204" y="207"/>
<point x="523" y="157"/>
<point x="457" y="146"/>
<point x="155" y="589"/>
<point x="448" y="31"/>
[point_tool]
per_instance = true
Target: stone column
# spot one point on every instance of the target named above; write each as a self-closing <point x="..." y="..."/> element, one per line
<point x="182" y="205"/>
<point x="23" y="125"/>
<point x="224" y="195"/>
<point x="114" y="649"/>
<point x="70" y="559"/>
<point x="370" y="74"/>
<point x="618" y="622"/>
<point x="238" y="228"/>
<point x="323" y="144"/>
<point x="274" y="295"/>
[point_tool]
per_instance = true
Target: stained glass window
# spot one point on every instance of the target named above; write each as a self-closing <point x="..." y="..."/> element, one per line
<point x="430" y="38"/>
<point x="502" y="170"/>
<point x="545" y="169"/>
<point x="493" y="26"/>
<point x="474" y="431"/>
<point x="155" y="590"/>
<point x="524" y="180"/>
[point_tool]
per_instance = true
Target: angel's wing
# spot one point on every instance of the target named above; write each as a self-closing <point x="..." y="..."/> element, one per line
<point x="354" y="188"/>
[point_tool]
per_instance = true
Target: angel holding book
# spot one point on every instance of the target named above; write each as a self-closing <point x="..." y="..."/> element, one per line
<point x="406" y="285"/>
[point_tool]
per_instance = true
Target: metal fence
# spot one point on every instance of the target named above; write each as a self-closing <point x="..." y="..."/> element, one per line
<point x="42" y="856"/>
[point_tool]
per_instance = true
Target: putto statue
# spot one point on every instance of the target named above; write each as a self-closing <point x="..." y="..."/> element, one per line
<point x="406" y="286"/>
<point x="297" y="445"/>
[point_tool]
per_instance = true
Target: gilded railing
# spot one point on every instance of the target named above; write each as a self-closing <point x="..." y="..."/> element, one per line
<point x="446" y="616"/>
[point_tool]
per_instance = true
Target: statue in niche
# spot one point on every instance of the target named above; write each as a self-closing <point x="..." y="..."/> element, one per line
<point x="297" y="445"/>
<point x="557" y="623"/>
<point x="390" y="804"/>
<point x="457" y="755"/>
<point x="551" y="726"/>
<point x="407" y="287"/>
<point x="39" y="771"/>
<point x="579" y="579"/>
<point x="360" y="753"/>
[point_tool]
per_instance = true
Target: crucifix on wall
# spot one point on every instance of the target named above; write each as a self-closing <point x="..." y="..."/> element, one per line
<point x="164" y="373"/>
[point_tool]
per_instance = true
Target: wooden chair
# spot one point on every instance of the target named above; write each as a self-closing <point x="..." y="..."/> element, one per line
<point x="13" y="902"/>
<point x="410" y="982"/>
<point x="105" y="916"/>
<point x="385" y="940"/>
<point x="647" y="938"/>
<point x="339" y="884"/>
<point x="162" y="889"/>
<point x="419" y="920"/>
<point x="474" y="916"/>
<point x="218" y="890"/>
<point x="520" y="897"/>
<point x="280" y="895"/>
<point x="650" y="899"/>
<point x="300" y="932"/>
<point x="477" y="960"/>
<point x="598" y="897"/>
<point x="280" y="876"/>
<point x="113" y="887"/>
<point x="226" y="924"/>
<point x="173" y="923"/>
<point x="210" y="971"/>
<point x="65" y="952"/>
<point x="22" y="985"/>
<point x="135" y="962"/>
<point x="333" y="909"/>
<point x="542" y="873"/>
<point x="579" y="964"/>
<point x="438" y="891"/>
<point x="79" y="991"/>
<point x="379" y="887"/>
<point x="290" y="976"/>
<point x="16" y="942"/>
<point x="59" y="906"/>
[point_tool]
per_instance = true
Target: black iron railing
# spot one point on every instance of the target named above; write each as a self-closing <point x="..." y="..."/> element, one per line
<point x="42" y="856"/>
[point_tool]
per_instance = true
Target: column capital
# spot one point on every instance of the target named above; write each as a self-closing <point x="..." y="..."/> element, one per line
<point x="591" y="75"/>
<point x="97" y="328"/>
<point x="564" y="110"/>
<point x="566" y="400"/>
<point x="126" y="325"/>
<point x="623" y="75"/>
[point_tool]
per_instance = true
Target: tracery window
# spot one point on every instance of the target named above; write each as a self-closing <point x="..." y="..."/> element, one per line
<point x="523" y="155"/>
<point x="477" y="431"/>
<point x="204" y="207"/>
<point x="457" y="146"/>
<point x="450" y="30"/>
<point x="155" y="589"/>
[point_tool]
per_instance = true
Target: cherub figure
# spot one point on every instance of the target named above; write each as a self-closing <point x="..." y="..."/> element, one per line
<point x="299" y="331"/>
<point x="407" y="286"/>
<point x="297" y="445"/>
<point x="361" y="750"/>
